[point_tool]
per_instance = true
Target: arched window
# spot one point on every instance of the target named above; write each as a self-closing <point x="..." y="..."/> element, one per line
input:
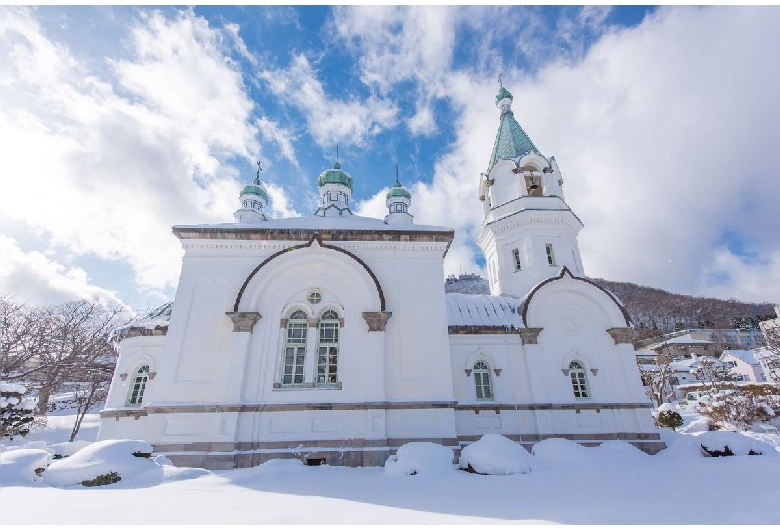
<point x="482" y="381"/>
<point x="579" y="380"/>
<point x="138" y="385"/>
<point x="295" y="349"/>
<point x="328" y="349"/>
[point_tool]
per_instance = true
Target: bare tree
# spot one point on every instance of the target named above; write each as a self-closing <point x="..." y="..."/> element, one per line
<point x="712" y="373"/>
<point x="80" y="338"/>
<point x="24" y="334"/>
<point x="770" y="355"/>
<point x="657" y="380"/>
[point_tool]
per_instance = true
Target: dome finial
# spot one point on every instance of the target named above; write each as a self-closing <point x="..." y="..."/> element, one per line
<point x="397" y="182"/>
<point x="500" y="82"/>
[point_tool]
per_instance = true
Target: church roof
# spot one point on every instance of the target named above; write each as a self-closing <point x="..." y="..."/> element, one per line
<point x="314" y="222"/>
<point x="482" y="310"/>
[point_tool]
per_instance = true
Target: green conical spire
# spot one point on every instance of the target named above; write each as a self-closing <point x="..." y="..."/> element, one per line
<point x="511" y="140"/>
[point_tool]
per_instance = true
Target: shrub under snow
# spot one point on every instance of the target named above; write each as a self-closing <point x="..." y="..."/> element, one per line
<point x="494" y="454"/>
<point x="22" y="466"/>
<point x="420" y="457"/>
<point x="96" y="462"/>
<point x="714" y="442"/>
<point x="16" y="411"/>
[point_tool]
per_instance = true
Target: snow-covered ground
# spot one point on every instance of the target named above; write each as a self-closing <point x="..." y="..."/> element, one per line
<point x="560" y="483"/>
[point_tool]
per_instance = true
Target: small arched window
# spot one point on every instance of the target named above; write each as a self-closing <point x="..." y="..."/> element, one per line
<point x="138" y="386"/>
<point x="482" y="381"/>
<point x="579" y="380"/>
<point x="328" y="349"/>
<point x="295" y="348"/>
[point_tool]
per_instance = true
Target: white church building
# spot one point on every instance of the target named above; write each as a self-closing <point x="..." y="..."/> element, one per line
<point x="331" y="339"/>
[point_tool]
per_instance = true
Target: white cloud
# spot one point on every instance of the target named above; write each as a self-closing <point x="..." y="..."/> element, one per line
<point x="330" y="121"/>
<point x="664" y="132"/>
<point x="34" y="277"/>
<point x="105" y="166"/>
<point x="279" y="202"/>
<point x="280" y="136"/>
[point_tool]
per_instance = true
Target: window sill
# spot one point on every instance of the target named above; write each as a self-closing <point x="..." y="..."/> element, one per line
<point x="307" y="386"/>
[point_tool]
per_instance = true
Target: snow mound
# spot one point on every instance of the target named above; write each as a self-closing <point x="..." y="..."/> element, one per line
<point x="559" y="451"/>
<point x="64" y="449"/>
<point x="102" y="458"/>
<point x="420" y="457"/>
<point x="494" y="454"/>
<point x="18" y="465"/>
<point x="562" y="451"/>
<point x="689" y="445"/>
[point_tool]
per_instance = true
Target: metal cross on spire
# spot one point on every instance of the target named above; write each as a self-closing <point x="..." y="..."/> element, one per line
<point x="500" y="82"/>
<point x="398" y="182"/>
<point x="259" y="169"/>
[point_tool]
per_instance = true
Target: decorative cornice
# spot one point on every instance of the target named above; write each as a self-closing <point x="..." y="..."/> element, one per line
<point x="274" y="407"/>
<point x="306" y="234"/>
<point x="377" y="320"/>
<point x="530" y="335"/>
<point x="622" y="335"/>
<point x="482" y="330"/>
<point x="244" y="321"/>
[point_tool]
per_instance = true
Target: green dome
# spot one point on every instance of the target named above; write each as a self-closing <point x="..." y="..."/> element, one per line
<point x="503" y="93"/>
<point x="398" y="191"/>
<point x="335" y="176"/>
<point x="254" y="189"/>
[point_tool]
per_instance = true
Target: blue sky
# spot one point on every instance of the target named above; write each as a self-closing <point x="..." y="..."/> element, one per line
<point x="118" y="122"/>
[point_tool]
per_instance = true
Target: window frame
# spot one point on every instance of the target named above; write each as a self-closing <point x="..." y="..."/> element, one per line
<point x="135" y="396"/>
<point x="328" y="349"/>
<point x="295" y="359"/>
<point x="579" y="380"/>
<point x="483" y="382"/>
<point x="516" y="259"/>
<point x="548" y="248"/>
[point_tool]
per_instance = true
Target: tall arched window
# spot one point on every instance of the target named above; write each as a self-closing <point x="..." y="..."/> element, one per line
<point x="482" y="381"/>
<point x="328" y="349"/>
<point x="138" y="385"/>
<point x="579" y="380"/>
<point x="295" y="348"/>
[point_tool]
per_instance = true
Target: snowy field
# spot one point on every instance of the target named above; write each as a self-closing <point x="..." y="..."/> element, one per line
<point x="560" y="483"/>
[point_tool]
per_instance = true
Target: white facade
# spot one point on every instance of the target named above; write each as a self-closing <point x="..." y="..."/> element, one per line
<point x="330" y="338"/>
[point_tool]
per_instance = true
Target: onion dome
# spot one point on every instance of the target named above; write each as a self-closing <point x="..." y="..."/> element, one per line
<point x="335" y="176"/>
<point x="254" y="189"/>
<point x="398" y="191"/>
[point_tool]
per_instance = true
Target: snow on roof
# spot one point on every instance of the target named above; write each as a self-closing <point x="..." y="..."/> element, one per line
<point x="684" y="340"/>
<point x="483" y="310"/>
<point x="346" y="222"/>
<point x="157" y="319"/>
<point x="744" y="355"/>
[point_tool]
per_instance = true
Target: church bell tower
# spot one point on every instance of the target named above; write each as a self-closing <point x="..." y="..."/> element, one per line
<point x="528" y="232"/>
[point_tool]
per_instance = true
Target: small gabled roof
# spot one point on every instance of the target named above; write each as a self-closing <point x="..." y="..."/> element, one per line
<point x="743" y="355"/>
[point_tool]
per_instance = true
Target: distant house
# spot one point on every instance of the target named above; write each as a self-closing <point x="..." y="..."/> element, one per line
<point x="681" y="348"/>
<point x="739" y="339"/>
<point x="745" y="365"/>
